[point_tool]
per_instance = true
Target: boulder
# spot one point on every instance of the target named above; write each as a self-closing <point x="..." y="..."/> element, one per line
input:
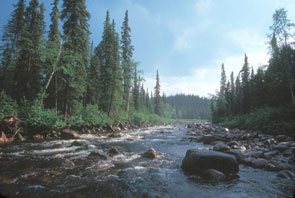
<point x="281" y="138"/>
<point x="76" y="143"/>
<point x="196" y="161"/>
<point x="254" y="153"/>
<point x="258" y="163"/>
<point x="221" y="147"/>
<point x="214" y="175"/>
<point x="69" y="134"/>
<point x="62" y="162"/>
<point x="97" y="155"/>
<point x="113" y="150"/>
<point x="280" y="147"/>
<point x="151" y="153"/>
<point x="115" y="135"/>
<point x="237" y="153"/>
<point x="207" y="139"/>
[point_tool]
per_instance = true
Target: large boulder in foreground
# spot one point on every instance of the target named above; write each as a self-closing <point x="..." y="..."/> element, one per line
<point x="196" y="161"/>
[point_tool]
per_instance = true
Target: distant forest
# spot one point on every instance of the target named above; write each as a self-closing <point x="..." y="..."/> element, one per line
<point x="263" y="99"/>
<point x="190" y="106"/>
<point x="58" y="78"/>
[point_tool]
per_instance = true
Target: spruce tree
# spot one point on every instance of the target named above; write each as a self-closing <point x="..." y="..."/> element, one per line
<point x="28" y="64"/>
<point x="245" y="74"/>
<point x="135" y="91"/>
<point x="157" y="99"/>
<point x="53" y="52"/>
<point x="11" y="45"/>
<point x="232" y="93"/>
<point x="75" y="53"/>
<point x="126" y="54"/>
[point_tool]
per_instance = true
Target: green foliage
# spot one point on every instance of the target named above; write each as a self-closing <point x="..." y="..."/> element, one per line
<point x="38" y="119"/>
<point x="8" y="106"/>
<point x="88" y="116"/>
<point x="270" y="120"/>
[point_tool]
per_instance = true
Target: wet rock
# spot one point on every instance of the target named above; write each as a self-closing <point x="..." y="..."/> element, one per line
<point x="90" y="146"/>
<point x="258" y="163"/>
<point x="214" y="175"/>
<point x="270" y="154"/>
<point x="233" y="143"/>
<point x="207" y="139"/>
<point x="237" y="153"/>
<point x="62" y="163"/>
<point x="286" y="174"/>
<point x="38" y="137"/>
<point x="269" y="141"/>
<point x="151" y="153"/>
<point x="113" y="150"/>
<point x="221" y="147"/>
<point x="69" y="134"/>
<point x="191" y="133"/>
<point x="196" y="161"/>
<point x="76" y="143"/>
<point x="281" y="138"/>
<point x="97" y="155"/>
<point x="254" y="153"/>
<point x="115" y="135"/>
<point x="280" y="147"/>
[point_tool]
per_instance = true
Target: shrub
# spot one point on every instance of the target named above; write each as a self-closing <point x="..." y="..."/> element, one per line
<point x="38" y="119"/>
<point x="269" y="119"/>
<point x="7" y="105"/>
<point x="87" y="117"/>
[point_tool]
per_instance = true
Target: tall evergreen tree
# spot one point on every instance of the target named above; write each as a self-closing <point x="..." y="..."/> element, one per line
<point x="127" y="53"/>
<point x="232" y="93"/>
<point x="245" y="74"/>
<point x="28" y="65"/>
<point x="75" y="53"/>
<point x="53" y="53"/>
<point x="11" y="44"/>
<point x="135" y="91"/>
<point x="157" y="99"/>
<point x="222" y="81"/>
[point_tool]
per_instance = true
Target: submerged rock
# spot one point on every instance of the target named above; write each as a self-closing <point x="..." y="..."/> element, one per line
<point x="214" y="175"/>
<point x="221" y="147"/>
<point x="151" y="153"/>
<point x="98" y="155"/>
<point x="196" y="161"/>
<point x="113" y="150"/>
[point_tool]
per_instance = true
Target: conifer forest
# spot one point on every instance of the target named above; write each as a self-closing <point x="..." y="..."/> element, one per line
<point x="78" y="118"/>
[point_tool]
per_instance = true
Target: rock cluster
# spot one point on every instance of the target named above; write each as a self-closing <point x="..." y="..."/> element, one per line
<point x="251" y="148"/>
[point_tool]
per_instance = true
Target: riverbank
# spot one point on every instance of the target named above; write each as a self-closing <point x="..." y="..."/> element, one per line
<point x="104" y="165"/>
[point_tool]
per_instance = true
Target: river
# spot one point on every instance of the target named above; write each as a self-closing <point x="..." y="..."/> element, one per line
<point x="61" y="168"/>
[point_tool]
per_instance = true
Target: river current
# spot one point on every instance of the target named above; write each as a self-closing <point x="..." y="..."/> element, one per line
<point x="61" y="168"/>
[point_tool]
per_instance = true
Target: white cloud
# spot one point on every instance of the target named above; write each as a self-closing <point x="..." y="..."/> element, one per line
<point x="197" y="82"/>
<point x="183" y="40"/>
<point x="203" y="6"/>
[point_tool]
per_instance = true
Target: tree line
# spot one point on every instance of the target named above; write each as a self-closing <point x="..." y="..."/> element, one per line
<point x="263" y="99"/>
<point x="58" y="77"/>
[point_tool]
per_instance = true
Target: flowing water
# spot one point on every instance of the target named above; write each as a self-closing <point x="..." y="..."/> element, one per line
<point x="41" y="169"/>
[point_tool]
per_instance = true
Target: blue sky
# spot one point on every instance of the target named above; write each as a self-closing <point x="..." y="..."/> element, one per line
<point x="187" y="40"/>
